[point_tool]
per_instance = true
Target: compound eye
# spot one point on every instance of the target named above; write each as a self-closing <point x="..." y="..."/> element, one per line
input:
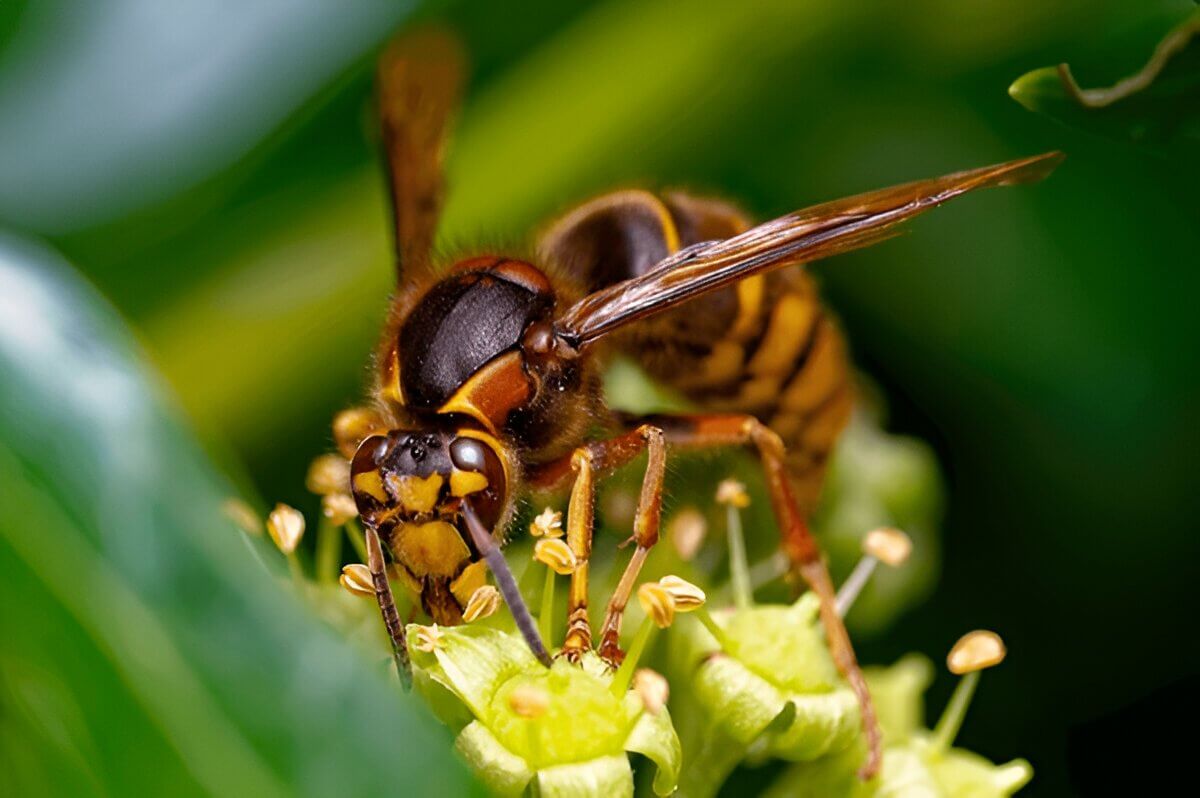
<point x="478" y="473"/>
<point x="366" y="481"/>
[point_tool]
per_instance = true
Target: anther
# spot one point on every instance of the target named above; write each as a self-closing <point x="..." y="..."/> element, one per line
<point x="286" y="526"/>
<point x="548" y="524"/>
<point x="652" y="687"/>
<point x="887" y="545"/>
<point x="329" y="473"/>
<point x="528" y="702"/>
<point x="556" y="554"/>
<point x="339" y="508"/>
<point x="658" y="603"/>
<point x="356" y="579"/>
<point x="684" y="595"/>
<point x="483" y="603"/>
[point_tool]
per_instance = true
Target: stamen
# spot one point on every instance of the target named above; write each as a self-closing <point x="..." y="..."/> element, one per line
<point x="528" y="701"/>
<point x="286" y="526"/>
<point x="329" y="473"/>
<point x="889" y="546"/>
<point x="686" y="596"/>
<point x="356" y="579"/>
<point x="329" y="549"/>
<point x="547" y="524"/>
<point x="427" y="638"/>
<point x="339" y="508"/>
<point x="687" y="531"/>
<point x="973" y="652"/>
<point x="556" y="554"/>
<point x="652" y="687"/>
<point x="483" y="604"/>
<point x="659" y="607"/>
<point x="733" y="495"/>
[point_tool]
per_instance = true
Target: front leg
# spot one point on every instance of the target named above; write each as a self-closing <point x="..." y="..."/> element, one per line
<point x="581" y="468"/>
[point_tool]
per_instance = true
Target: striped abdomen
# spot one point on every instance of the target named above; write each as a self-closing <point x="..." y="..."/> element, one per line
<point x="764" y="346"/>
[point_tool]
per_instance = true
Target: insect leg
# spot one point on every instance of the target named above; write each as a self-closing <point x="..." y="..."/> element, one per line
<point x="584" y="463"/>
<point x="387" y="606"/>
<point x="645" y="535"/>
<point x="803" y="553"/>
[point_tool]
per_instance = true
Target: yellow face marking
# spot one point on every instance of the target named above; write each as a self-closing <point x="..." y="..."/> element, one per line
<point x="434" y="548"/>
<point x="464" y="482"/>
<point x="786" y="333"/>
<point x="473" y="577"/>
<point x="370" y="483"/>
<point x="416" y="494"/>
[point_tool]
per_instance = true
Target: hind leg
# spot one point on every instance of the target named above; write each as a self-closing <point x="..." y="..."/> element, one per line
<point x="803" y="553"/>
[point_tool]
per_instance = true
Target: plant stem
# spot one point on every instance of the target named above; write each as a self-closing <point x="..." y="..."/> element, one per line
<point x="855" y="583"/>
<point x="702" y="614"/>
<point x="355" y="533"/>
<point x="739" y="571"/>
<point x="952" y="716"/>
<point x="329" y="551"/>
<point x="546" y="616"/>
<point x="625" y="673"/>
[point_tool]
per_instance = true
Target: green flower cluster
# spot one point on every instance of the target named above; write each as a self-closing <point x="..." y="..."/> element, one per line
<point x="744" y="684"/>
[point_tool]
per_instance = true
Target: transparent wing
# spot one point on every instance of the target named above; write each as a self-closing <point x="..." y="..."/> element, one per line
<point x="420" y="78"/>
<point x="800" y="237"/>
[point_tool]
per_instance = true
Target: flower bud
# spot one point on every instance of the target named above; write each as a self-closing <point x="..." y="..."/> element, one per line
<point x="339" y="508"/>
<point x="652" y="687"/>
<point x="657" y="603"/>
<point x="483" y="603"/>
<point x="889" y="546"/>
<point x="733" y="493"/>
<point x="356" y="578"/>
<point x="528" y="701"/>
<point x="556" y="554"/>
<point x="686" y="596"/>
<point x="286" y="526"/>
<point x="329" y="473"/>
<point x="975" y="651"/>
<point x="547" y="524"/>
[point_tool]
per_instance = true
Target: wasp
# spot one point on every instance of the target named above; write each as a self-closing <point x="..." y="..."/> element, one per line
<point x="486" y="379"/>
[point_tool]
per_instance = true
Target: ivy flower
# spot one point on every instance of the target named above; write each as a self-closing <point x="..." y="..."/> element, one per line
<point x="518" y="723"/>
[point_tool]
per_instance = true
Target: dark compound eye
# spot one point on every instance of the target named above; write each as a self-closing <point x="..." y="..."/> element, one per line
<point x="475" y="456"/>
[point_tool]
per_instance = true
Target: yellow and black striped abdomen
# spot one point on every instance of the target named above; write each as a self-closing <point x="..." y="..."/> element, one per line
<point x="764" y="346"/>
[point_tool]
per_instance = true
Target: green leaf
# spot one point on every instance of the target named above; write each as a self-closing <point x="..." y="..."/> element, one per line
<point x="149" y="652"/>
<point x="1158" y="106"/>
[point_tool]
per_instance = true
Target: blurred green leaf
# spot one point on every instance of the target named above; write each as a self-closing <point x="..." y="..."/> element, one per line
<point x="144" y="649"/>
<point x="1158" y="106"/>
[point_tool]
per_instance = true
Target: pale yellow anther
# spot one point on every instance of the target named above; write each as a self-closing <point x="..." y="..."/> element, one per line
<point x="733" y="493"/>
<point x="427" y="638"/>
<point x="651" y="686"/>
<point x="657" y="603"/>
<point x="329" y="473"/>
<point x="483" y="603"/>
<point x="356" y="578"/>
<point x="975" y="651"/>
<point x="339" y="508"/>
<point x="286" y="526"/>
<point x="243" y="515"/>
<point x="528" y="701"/>
<point x="889" y="546"/>
<point x="686" y="596"/>
<point x="547" y="524"/>
<point x="556" y="554"/>
<point x="687" y="531"/>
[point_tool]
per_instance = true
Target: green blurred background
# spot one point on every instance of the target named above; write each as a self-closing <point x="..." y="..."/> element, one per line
<point x="211" y="168"/>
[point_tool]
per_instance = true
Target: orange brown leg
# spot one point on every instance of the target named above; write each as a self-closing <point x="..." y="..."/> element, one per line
<point x="584" y="463"/>
<point x="797" y="541"/>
